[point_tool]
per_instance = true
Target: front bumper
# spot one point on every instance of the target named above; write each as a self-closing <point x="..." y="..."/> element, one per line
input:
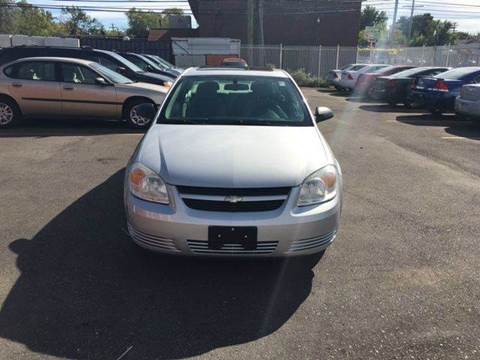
<point x="467" y="107"/>
<point x="287" y="231"/>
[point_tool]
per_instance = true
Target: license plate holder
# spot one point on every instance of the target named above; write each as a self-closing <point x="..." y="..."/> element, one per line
<point x="218" y="236"/>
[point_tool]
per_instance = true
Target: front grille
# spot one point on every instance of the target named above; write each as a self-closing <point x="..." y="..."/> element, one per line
<point x="312" y="243"/>
<point x="233" y="199"/>
<point x="244" y="206"/>
<point x="201" y="247"/>
<point x="152" y="241"/>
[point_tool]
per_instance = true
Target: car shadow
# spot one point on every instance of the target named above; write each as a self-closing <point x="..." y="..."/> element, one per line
<point x="453" y="125"/>
<point x="386" y="108"/>
<point x="86" y="291"/>
<point x="67" y="127"/>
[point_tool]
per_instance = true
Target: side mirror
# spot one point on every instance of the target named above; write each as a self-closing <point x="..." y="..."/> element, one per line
<point x="146" y="110"/>
<point x="121" y="70"/>
<point x="323" y="113"/>
<point x="101" y="81"/>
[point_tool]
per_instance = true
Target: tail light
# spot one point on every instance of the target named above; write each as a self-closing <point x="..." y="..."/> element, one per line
<point x="350" y="77"/>
<point x="440" y="85"/>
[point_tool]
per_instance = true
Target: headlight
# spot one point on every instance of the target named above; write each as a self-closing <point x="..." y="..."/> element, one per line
<point x="319" y="187"/>
<point x="147" y="185"/>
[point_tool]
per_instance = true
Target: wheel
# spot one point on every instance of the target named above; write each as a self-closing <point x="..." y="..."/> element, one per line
<point x="133" y="119"/>
<point x="9" y="113"/>
<point x="408" y="104"/>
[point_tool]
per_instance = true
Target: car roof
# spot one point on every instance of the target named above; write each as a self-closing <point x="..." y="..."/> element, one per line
<point x="55" y="58"/>
<point x="213" y="71"/>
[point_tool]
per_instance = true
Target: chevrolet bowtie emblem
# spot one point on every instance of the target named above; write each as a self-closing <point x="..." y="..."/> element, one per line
<point x="233" y="199"/>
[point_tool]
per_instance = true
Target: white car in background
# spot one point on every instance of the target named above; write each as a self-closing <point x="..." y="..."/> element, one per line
<point x="335" y="75"/>
<point x="349" y="78"/>
<point x="468" y="103"/>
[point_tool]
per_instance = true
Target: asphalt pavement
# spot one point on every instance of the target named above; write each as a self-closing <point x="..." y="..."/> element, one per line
<point x="402" y="280"/>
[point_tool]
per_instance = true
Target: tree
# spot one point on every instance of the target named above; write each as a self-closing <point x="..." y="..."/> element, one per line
<point x="7" y="16"/>
<point x="78" y="22"/>
<point x="140" y="22"/>
<point x="426" y="31"/>
<point x="30" y="20"/>
<point x="372" y="17"/>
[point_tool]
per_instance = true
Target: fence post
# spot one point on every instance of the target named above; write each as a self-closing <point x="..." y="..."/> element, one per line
<point x="338" y="56"/>
<point x="448" y="55"/>
<point x="319" y="60"/>
<point x="281" y="56"/>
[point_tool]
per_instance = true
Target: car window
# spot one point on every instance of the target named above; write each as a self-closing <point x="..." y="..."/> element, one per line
<point x="136" y="60"/>
<point x="476" y="80"/>
<point x="78" y="74"/>
<point x="458" y="73"/>
<point x="33" y="70"/>
<point x="234" y="100"/>
<point x="111" y="75"/>
<point x="108" y="63"/>
<point x="357" y="67"/>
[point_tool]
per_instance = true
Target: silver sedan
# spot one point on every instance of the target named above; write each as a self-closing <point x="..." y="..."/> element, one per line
<point x="234" y="165"/>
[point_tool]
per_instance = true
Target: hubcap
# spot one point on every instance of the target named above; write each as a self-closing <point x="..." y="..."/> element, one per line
<point x="6" y="114"/>
<point x="137" y="119"/>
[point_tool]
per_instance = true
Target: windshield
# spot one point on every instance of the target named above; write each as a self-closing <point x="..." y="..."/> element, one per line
<point x="235" y="100"/>
<point x="164" y="62"/>
<point x="125" y="62"/>
<point x="111" y="75"/>
<point x="410" y="72"/>
<point x="458" y="74"/>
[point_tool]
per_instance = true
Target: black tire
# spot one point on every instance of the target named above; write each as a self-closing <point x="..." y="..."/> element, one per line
<point x="10" y="114"/>
<point x="435" y="111"/>
<point x="133" y="120"/>
<point x="392" y="103"/>
<point x="408" y="104"/>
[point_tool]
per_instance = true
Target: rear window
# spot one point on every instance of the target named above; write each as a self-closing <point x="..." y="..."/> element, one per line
<point x="32" y="70"/>
<point x="457" y="74"/>
<point x="357" y="67"/>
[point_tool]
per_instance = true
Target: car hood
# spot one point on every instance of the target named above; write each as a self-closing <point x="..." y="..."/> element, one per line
<point x="233" y="156"/>
<point x="145" y="86"/>
<point x="149" y="76"/>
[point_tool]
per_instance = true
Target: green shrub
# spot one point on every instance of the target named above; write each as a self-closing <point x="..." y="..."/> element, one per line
<point x="305" y="79"/>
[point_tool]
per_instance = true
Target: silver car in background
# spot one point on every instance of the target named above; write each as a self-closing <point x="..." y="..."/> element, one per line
<point x="72" y="88"/>
<point x="234" y="165"/>
<point x="467" y="103"/>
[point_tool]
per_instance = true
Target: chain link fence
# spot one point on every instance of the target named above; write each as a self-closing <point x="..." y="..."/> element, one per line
<point x="319" y="60"/>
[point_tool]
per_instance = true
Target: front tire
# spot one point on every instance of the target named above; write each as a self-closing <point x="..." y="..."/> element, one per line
<point x="10" y="114"/>
<point x="133" y="119"/>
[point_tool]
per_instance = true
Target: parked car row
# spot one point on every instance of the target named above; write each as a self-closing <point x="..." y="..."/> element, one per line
<point x="437" y="89"/>
<point x="40" y="81"/>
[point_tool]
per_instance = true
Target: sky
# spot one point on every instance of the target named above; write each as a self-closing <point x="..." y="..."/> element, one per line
<point x="466" y="13"/>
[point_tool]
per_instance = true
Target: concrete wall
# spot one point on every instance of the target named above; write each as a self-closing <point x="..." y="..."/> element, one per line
<point x="7" y="40"/>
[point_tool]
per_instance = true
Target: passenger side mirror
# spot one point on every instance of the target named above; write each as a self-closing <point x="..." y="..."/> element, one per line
<point x="323" y="113"/>
<point x="101" y="81"/>
<point x="146" y="110"/>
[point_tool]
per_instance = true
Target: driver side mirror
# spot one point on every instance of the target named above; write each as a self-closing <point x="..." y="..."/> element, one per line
<point x="101" y="81"/>
<point x="121" y="70"/>
<point x="146" y="110"/>
<point x="323" y="113"/>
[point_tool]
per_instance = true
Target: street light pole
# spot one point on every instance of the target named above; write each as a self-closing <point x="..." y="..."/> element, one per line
<point x="395" y="13"/>
<point x="410" y="25"/>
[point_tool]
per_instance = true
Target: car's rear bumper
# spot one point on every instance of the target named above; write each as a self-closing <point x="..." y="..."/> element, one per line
<point x="433" y="99"/>
<point x="287" y="231"/>
<point x="467" y="107"/>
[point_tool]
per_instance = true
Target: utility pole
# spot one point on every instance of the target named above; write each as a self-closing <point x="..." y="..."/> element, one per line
<point x="261" y="36"/>
<point x="410" y="25"/>
<point x="251" y="21"/>
<point x="394" y="24"/>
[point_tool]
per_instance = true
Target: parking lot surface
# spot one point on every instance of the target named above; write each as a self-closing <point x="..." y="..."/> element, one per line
<point x="402" y="280"/>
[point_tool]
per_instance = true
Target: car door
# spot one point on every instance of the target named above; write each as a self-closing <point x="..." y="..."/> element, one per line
<point x="83" y="96"/>
<point x="35" y="87"/>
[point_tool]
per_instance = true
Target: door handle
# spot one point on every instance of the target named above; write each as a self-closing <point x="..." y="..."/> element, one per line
<point x="68" y="87"/>
<point x="17" y="85"/>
